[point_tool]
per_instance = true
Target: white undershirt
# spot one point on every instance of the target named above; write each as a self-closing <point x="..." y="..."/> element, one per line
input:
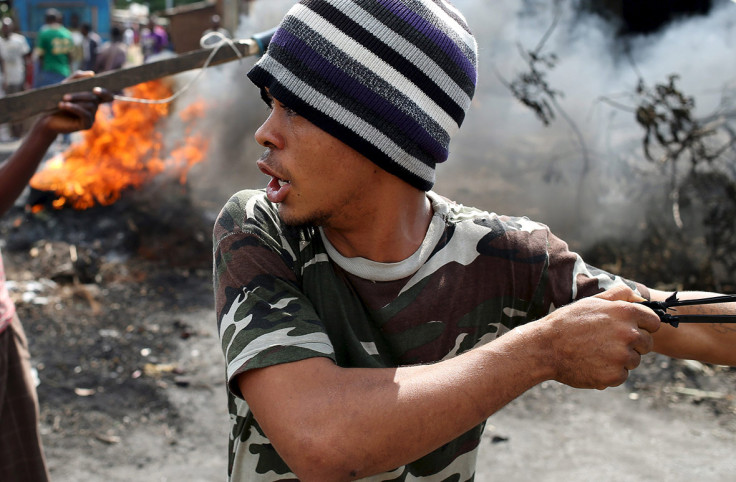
<point x="376" y="271"/>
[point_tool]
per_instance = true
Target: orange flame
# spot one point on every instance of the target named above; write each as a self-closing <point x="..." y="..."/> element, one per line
<point x="123" y="150"/>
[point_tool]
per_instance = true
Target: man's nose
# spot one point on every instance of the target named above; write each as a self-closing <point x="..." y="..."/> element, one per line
<point x="266" y="135"/>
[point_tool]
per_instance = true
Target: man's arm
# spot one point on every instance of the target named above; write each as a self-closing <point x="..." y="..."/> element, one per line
<point x="332" y="423"/>
<point x="76" y="112"/>
<point x="706" y="342"/>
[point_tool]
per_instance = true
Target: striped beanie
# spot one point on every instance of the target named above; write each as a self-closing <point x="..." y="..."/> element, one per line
<point x="390" y="78"/>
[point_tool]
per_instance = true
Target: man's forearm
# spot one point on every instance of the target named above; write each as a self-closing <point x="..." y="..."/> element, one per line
<point x="333" y="423"/>
<point x="18" y="169"/>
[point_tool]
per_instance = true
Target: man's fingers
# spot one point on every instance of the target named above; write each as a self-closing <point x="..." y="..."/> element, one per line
<point x="634" y="361"/>
<point x="80" y="74"/>
<point x="97" y="95"/>
<point x="620" y="293"/>
<point x="103" y="94"/>
<point x="82" y="115"/>
<point x="644" y="343"/>
<point x="80" y="108"/>
<point x="647" y="320"/>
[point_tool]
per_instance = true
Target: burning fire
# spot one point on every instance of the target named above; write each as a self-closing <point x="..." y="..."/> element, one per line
<point x="123" y="150"/>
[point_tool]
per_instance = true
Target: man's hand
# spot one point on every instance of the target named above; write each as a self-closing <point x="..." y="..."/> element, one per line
<point x="594" y="342"/>
<point x="76" y="111"/>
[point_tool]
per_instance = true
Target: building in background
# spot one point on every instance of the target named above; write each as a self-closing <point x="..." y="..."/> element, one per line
<point x="186" y="23"/>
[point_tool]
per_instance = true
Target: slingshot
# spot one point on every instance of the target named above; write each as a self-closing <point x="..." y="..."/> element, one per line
<point x="661" y="307"/>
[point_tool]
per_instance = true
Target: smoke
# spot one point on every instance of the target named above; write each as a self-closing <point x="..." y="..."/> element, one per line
<point x="234" y="112"/>
<point x="503" y="154"/>
<point x="581" y="174"/>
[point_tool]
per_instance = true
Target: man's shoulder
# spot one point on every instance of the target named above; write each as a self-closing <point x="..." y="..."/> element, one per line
<point x="250" y="212"/>
<point x="242" y="206"/>
<point x="457" y="213"/>
<point x="21" y="40"/>
<point x="59" y="30"/>
<point x="55" y="32"/>
<point x="17" y="38"/>
<point x="248" y="197"/>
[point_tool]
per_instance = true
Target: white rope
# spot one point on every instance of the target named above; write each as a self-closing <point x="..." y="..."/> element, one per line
<point x="221" y="41"/>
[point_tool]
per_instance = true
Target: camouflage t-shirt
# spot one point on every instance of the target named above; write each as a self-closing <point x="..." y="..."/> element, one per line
<point x="283" y="294"/>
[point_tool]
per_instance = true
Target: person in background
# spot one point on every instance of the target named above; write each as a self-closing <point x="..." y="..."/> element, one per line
<point x="75" y="58"/>
<point x="112" y="54"/>
<point x="21" y="451"/>
<point x="370" y="325"/>
<point x="14" y="49"/>
<point x="155" y="39"/>
<point x="216" y="26"/>
<point x="54" y="46"/>
<point x="129" y="34"/>
<point x="90" y="46"/>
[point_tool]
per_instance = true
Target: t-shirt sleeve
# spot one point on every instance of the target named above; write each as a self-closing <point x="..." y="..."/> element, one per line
<point x="570" y="278"/>
<point x="263" y="317"/>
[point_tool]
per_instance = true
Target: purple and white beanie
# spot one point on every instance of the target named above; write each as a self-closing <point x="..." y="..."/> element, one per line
<point x="392" y="79"/>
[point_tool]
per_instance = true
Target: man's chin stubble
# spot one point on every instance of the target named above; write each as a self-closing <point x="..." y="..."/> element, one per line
<point x="310" y="221"/>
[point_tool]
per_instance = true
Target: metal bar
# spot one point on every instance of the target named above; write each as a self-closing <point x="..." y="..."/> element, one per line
<point x="705" y="318"/>
<point x="16" y="107"/>
<point x="661" y="308"/>
<point x="702" y="301"/>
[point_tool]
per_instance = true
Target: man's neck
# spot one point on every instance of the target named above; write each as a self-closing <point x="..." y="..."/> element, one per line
<point x="390" y="233"/>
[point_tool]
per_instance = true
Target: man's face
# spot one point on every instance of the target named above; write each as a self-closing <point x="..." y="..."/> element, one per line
<point x="7" y="27"/>
<point x="315" y="178"/>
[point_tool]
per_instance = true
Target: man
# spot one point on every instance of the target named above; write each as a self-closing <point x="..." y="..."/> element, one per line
<point x="14" y="49"/>
<point x="369" y="325"/>
<point x="91" y="43"/>
<point x="216" y="27"/>
<point x="54" y="47"/>
<point x="113" y="54"/>
<point x="155" y="39"/>
<point x="75" y="30"/>
<point x="21" y="452"/>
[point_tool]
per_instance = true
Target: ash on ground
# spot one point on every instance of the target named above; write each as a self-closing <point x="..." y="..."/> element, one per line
<point x="103" y="295"/>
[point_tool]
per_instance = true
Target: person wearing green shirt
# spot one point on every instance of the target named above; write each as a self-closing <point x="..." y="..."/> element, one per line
<point x="53" y="50"/>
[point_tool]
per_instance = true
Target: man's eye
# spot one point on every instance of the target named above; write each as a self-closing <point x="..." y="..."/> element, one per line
<point x="267" y="98"/>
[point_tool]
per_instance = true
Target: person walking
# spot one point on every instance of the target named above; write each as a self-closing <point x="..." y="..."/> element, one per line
<point x="154" y="39"/>
<point x="54" y="46"/>
<point x="112" y="54"/>
<point x="91" y="43"/>
<point x="14" y="49"/>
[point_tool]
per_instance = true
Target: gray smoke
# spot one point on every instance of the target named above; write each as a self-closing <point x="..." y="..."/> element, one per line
<point x="503" y="152"/>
